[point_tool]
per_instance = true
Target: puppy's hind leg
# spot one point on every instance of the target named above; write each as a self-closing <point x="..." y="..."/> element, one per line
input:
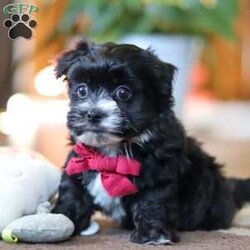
<point x="75" y="202"/>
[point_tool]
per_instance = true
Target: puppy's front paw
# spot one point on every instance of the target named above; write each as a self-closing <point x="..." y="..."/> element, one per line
<point x="154" y="237"/>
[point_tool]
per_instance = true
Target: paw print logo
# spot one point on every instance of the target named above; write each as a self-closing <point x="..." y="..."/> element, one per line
<point x="20" y="26"/>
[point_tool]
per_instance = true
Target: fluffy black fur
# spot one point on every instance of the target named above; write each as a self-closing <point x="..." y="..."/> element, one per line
<point x="180" y="186"/>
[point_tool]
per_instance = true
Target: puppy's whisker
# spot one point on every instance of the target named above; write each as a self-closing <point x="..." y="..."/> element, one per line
<point x="130" y="150"/>
<point x="116" y="132"/>
<point x="133" y="127"/>
<point x="126" y="150"/>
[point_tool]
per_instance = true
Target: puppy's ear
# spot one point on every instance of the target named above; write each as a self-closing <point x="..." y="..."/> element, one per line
<point x="66" y="59"/>
<point x="166" y="73"/>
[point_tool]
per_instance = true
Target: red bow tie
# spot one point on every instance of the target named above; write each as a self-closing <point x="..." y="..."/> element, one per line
<point x="114" y="170"/>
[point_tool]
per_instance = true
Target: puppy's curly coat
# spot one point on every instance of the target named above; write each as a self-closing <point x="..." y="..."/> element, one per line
<point x="121" y="104"/>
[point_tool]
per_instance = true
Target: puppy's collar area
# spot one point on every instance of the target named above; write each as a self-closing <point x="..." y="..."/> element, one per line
<point x="144" y="134"/>
<point x="114" y="170"/>
<point x="143" y="137"/>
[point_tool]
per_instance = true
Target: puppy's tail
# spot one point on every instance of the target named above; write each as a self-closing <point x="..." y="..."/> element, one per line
<point x="240" y="190"/>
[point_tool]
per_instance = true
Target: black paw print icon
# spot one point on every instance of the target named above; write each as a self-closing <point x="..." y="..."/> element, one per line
<point x="20" y="26"/>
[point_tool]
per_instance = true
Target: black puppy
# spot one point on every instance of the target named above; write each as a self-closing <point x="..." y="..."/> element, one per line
<point x="121" y="108"/>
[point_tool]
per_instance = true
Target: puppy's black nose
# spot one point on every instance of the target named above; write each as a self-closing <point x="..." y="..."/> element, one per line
<point x="94" y="116"/>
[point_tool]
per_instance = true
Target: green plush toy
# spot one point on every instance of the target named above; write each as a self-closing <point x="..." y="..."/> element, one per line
<point x="27" y="184"/>
<point x="43" y="228"/>
<point x="39" y="228"/>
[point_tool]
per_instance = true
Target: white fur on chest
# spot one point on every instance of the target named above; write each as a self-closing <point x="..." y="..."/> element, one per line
<point x="110" y="205"/>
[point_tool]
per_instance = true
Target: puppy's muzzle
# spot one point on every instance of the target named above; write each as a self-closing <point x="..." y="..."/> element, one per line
<point x="95" y="116"/>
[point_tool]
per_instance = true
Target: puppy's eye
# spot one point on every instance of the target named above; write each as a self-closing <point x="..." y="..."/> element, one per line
<point x="123" y="93"/>
<point x="82" y="91"/>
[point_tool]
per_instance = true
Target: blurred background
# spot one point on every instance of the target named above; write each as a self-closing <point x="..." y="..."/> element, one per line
<point x="208" y="40"/>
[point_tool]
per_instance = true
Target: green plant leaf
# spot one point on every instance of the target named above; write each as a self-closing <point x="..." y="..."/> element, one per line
<point x="115" y="18"/>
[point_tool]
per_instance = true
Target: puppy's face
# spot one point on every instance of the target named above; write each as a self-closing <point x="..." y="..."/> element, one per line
<point x="115" y="91"/>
